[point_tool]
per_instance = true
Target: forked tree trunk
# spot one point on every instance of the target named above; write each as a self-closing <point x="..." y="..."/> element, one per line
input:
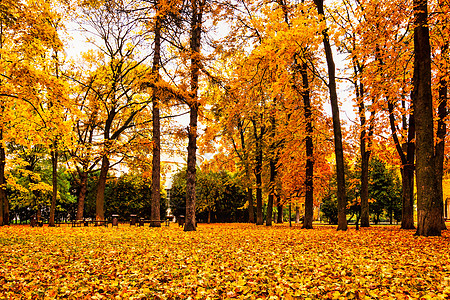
<point x="407" y="168"/>
<point x="82" y="194"/>
<point x="248" y="175"/>
<point x="101" y="186"/>
<point x="365" y="152"/>
<point x="156" y="139"/>
<point x="338" y="149"/>
<point x="429" y="210"/>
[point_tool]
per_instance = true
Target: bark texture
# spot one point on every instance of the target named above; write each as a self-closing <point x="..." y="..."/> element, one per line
<point x="156" y="130"/>
<point x="258" y="175"/>
<point x="429" y="211"/>
<point x="195" y="39"/>
<point x="101" y="185"/>
<point x="309" y="169"/>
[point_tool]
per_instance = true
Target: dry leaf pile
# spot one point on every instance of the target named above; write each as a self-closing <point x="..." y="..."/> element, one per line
<point x="224" y="261"/>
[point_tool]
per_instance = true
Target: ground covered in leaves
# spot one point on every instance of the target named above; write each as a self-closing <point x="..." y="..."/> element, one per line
<point x="225" y="261"/>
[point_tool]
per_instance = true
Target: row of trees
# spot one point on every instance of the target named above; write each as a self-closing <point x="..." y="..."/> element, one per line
<point x="277" y="83"/>
<point x="259" y="87"/>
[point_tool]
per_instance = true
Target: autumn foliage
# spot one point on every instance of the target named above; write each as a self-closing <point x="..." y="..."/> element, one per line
<point x="221" y="262"/>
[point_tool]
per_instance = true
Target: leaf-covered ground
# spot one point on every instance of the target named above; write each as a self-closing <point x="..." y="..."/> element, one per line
<point x="236" y="261"/>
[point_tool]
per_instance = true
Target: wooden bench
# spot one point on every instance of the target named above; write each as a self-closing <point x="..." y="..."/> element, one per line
<point x="100" y="223"/>
<point x="142" y="222"/>
<point x="78" y="223"/>
<point x="85" y="223"/>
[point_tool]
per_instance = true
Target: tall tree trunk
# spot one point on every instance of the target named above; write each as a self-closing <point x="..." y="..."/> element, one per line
<point x="441" y="132"/>
<point x="191" y="171"/>
<point x="258" y="174"/>
<point x="309" y="179"/>
<point x="82" y="194"/>
<point x="270" y="200"/>
<point x="408" y="176"/>
<point x="54" y="155"/>
<point x="2" y="179"/>
<point x="338" y="149"/>
<point x="365" y="156"/>
<point x="196" y="30"/>
<point x="4" y="214"/>
<point x="429" y="210"/>
<point x="101" y="186"/>
<point x="156" y="139"/>
<point x="272" y="167"/>
<point x="245" y="158"/>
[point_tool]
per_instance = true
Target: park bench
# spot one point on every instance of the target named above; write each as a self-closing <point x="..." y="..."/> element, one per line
<point x="142" y="222"/>
<point x="77" y="223"/>
<point x="35" y="223"/>
<point x="85" y="223"/>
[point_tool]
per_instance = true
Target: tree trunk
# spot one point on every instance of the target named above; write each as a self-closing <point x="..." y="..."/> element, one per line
<point x="338" y="149"/>
<point x="54" y="155"/>
<point x="189" y="224"/>
<point x="309" y="179"/>
<point x="441" y="132"/>
<point x="156" y="139"/>
<point x="365" y="157"/>
<point x="82" y="194"/>
<point x="3" y="199"/>
<point x="258" y="175"/>
<point x="251" y="211"/>
<point x="248" y="175"/>
<point x="297" y="215"/>
<point x="408" y="197"/>
<point x="272" y="171"/>
<point x="101" y="186"/>
<point x="196" y="30"/>
<point x="280" y="213"/>
<point x="429" y="210"/>
<point x="407" y="168"/>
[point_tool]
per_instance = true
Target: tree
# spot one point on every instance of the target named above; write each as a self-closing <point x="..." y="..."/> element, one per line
<point x="197" y="7"/>
<point x="384" y="189"/>
<point x="339" y="152"/>
<point x="429" y="209"/>
<point x="118" y="80"/>
<point x="156" y="128"/>
<point x="30" y="85"/>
